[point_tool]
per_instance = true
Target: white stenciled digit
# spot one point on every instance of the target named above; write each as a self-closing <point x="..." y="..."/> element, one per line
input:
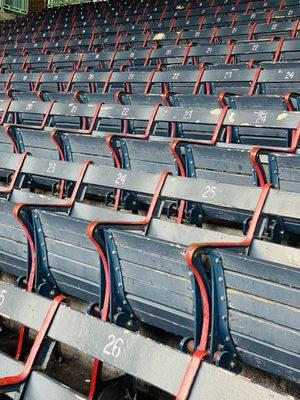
<point x="188" y="114"/>
<point x="228" y="75"/>
<point x="73" y="108"/>
<point x="209" y="192"/>
<point x="261" y="117"/>
<point x="51" y="168"/>
<point x="114" y="346"/>
<point x="2" y="296"/>
<point x="289" y="75"/>
<point x="255" y="47"/>
<point x="125" y="111"/>
<point x="29" y="107"/>
<point x="121" y="179"/>
<point x="175" y="76"/>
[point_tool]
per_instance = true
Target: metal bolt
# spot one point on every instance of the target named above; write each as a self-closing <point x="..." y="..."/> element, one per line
<point x="217" y="260"/>
<point x="114" y="252"/>
<point x="220" y="279"/>
<point x="224" y="318"/>
<point x="119" y="284"/>
<point x="227" y="339"/>
<point x="222" y="298"/>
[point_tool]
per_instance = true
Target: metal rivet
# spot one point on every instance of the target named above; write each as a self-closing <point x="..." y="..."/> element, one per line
<point x="220" y="279"/>
<point x="222" y="298"/>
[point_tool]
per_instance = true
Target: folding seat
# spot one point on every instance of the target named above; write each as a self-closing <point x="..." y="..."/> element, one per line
<point x="168" y="55"/>
<point x="34" y="48"/>
<point x="106" y="43"/>
<point x="284" y="171"/>
<point x="283" y="82"/>
<point x="192" y="123"/>
<point x="290" y="50"/>
<point x="187" y="23"/>
<point x="267" y="5"/>
<point x="130" y="82"/>
<point x="202" y="36"/>
<point x="133" y="40"/>
<point x="262" y="102"/>
<point x="82" y="32"/>
<point x="66" y="62"/>
<point x="44" y="36"/>
<point x="217" y="21"/>
<point x="208" y="101"/>
<point x="54" y="86"/>
<point x="210" y="53"/>
<point x="60" y="35"/>
<point x="233" y="80"/>
<point x="22" y="86"/>
<point x="63" y="326"/>
<point x="162" y="39"/>
<point x="286" y="13"/>
<point x="150" y="303"/>
<point x="236" y="33"/>
<point x="13" y="63"/>
<point x="233" y="8"/>
<point x="133" y="58"/>
<point x="79" y="45"/>
<point x="4" y="81"/>
<point x="223" y="163"/>
<point x="257" y="50"/>
<point x="15" y="49"/>
<point x="275" y="29"/>
<point x="56" y="46"/>
<point x="35" y="128"/>
<point x="261" y="301"/>
<point x="125" y="119"/>
<point x="38" y="63"/>
<point x="264" y="128"/>
<point x="254" y="17"/>
<point x="158" y="27"/>
<point x="177" y="80"/>
<point x="93" y="82"/>
<point x="105" y="31"/>
<point x="97" y="61"/>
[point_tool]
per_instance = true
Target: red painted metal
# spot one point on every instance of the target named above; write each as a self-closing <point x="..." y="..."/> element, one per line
<point x="91" y="235"/>
<point x="20" y="378"/>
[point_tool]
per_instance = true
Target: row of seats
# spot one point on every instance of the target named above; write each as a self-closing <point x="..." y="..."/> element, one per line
<point x="97" y="38"/>
<point x="227" y="54"/>
<point x="158" y="186"/>
<point x="197" y="86"/>
<point x="242" y="13"/>
<point x="253" y="127"/>
<point x="68" y="233"/>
